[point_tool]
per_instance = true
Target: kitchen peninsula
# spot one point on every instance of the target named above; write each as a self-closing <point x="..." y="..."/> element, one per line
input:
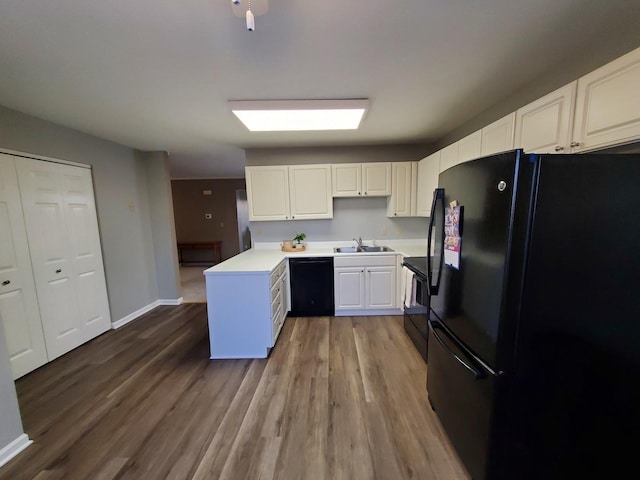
<point x="248" y="294"/>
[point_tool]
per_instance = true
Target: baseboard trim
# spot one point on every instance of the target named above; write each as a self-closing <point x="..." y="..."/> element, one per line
<point x="147" y="308"/>
<point x="368" y="313"/>
<point x="14" y="448"/>
<point x="170" y="301"/>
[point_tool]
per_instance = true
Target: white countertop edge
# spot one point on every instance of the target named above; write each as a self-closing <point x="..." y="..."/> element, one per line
<point x="265" y="256"/>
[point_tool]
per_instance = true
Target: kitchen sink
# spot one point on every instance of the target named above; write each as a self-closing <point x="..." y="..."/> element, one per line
<point x="363" y="249"/>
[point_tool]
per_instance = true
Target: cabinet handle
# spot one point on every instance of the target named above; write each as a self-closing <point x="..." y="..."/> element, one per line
<point x="293" y="217"/>
<point x="574" y="144"/>
<point x="559" y="148"/>
<point x="6" y="282"/>
<point x="359" y="193"/>
<point x="365" y="193"/>
<point x="59" y="270"/>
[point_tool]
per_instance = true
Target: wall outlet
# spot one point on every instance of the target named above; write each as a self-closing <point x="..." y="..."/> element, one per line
<point x="208" y="216"/>
<point x="383" y="232"/>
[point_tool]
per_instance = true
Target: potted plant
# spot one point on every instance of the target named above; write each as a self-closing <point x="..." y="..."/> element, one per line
<point x="298" y="239"/>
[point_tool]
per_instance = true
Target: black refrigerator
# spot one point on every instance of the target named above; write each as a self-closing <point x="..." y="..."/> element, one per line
<point x="534" y="328"/>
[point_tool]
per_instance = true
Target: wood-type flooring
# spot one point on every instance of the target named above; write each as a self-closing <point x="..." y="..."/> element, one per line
<point x="338" y="398"/>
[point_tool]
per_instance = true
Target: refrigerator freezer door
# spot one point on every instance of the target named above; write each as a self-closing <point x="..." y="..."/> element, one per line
<point x="461" y="393"/>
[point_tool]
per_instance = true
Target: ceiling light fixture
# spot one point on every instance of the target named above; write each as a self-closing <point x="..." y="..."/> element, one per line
<point x="299" y="115"/>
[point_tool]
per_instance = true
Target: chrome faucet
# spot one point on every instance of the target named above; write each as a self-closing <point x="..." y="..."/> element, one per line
<point x="358" y="241"/>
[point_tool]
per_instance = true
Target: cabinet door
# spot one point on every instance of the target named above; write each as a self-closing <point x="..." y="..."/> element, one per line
<point x="310" y="192"/>
<point x="381" y="287"/>
<point x="498" y="136"/>
<point x="268" y="192"/>
<point x="449" y="156"/>
<point x="428" y="170"/>
<point x="19" y="310"/>
<point x="349" y="285"/>
<point x="376" y="179"/>
<point x="51" y="255"/>
<point x="544" y="126"/>
<point x="346" y="179"/>
<point x="470" y="147"/>
<point x="608" y="105"/>
<point x="399" y="203"/>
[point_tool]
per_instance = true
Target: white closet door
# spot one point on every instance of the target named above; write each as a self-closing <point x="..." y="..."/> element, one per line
<point x="85" y="249"/>
<point x="19" y="310"/>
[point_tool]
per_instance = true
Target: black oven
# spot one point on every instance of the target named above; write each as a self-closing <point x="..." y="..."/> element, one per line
<point x="416" y="316"/>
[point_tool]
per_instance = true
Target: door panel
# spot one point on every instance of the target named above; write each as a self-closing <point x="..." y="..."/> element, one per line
<point x="19" y="310"/>
<point x="85" y="252"/>
<point x="349" y="288"/>
<point x="50" y="248"/>
<point x="381" y="287"/>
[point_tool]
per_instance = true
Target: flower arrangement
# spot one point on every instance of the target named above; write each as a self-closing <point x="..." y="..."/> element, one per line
<point x="299" y="238"/>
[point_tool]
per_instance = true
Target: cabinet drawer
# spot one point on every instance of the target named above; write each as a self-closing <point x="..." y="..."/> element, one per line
<point x="363" y="260"/>
<point x="277" y="272"/>
<point x="276" y="303"/>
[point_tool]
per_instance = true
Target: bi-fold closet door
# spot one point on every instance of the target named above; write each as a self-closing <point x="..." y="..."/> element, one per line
<point x="66" y="260"/>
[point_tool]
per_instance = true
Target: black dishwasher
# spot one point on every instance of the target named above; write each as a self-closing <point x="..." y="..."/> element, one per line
<point x="311" y="280"/>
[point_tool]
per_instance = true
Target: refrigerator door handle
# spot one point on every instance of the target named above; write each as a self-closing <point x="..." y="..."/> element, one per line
<point x="438" y="196"/>
<point x="478" y="374"/>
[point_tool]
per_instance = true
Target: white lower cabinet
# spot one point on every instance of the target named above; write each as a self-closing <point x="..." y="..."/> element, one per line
<point x="69" y="305"/>
<point x="365" y="284"/>
<point x="246" y="311"/>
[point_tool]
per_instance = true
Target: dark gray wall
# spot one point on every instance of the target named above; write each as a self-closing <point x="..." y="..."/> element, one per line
<point x="122" y="199"/>
<point x="359" y="154"/>
<point x="599" y="54"/>
<point x="190" y="207"/>
<point x="163" y="231"/>
<point x="10" y="423"/>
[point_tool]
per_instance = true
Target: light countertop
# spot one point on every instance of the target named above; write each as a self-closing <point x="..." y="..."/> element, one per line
<point x="265" y="256"/>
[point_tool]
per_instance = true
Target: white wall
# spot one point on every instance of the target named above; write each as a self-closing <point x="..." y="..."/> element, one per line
<point x="352" y="218"/>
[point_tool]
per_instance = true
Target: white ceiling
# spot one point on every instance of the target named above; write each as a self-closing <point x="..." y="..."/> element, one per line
<point x="157" y="74"/>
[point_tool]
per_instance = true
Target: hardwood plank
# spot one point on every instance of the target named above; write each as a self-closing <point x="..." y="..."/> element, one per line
<point x="338" y="398"/>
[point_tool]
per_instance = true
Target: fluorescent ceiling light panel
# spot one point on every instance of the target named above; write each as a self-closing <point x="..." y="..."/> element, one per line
<point x="298" y="115"/>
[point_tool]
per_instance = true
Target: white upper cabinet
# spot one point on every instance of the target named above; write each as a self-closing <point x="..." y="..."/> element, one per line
<point x="544" y="126"/>
<point x="608" y="105"/>
<point x="449" y="156"/>
<point x="310" y="191"/>
<point x="361" y="179"/>
<point x="404" y="179"/>
<point x="498" y="136"/>
<point x="376" y="179"/>
<point x="428" y="170"/>
<point x="346" y="179"/>
<point x="470" y="147"/>
<point x="268" y="192"/>
<point x="293" y="192"/>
